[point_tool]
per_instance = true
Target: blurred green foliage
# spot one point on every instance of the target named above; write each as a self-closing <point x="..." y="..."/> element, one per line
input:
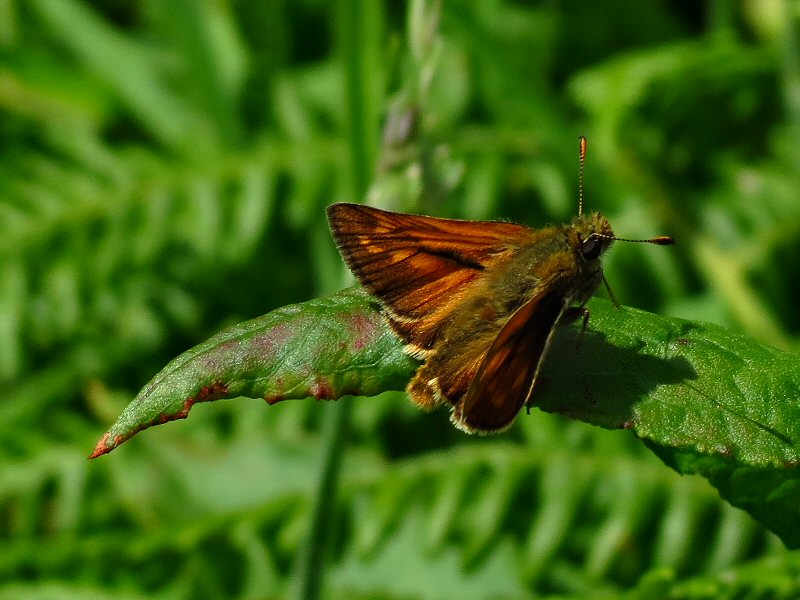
<point x="164" y="171"/>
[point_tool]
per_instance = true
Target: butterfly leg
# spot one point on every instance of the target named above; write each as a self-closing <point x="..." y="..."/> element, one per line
<point x="611" y="293"/>
<point x="572" y="314"/>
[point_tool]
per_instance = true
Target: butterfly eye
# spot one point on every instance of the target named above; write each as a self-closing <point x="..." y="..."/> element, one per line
<point x="591" y="248"/>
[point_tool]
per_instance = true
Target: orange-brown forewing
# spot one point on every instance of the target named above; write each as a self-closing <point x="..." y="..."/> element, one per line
<point x="420" y="267"/>
<point x="506" y="376"/>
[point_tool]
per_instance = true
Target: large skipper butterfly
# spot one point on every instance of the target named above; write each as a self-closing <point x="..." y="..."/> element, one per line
<point x="477" y="301"/>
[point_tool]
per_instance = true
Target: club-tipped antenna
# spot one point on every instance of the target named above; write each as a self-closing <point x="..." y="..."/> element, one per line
<point x="582" y="155"/>
<point x="661" y="240"/>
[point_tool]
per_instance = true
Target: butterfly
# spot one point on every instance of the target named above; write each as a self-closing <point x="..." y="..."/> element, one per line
<point x="477" y="301"/>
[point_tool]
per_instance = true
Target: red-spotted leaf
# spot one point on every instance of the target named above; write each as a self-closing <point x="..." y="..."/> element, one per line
<point x="324" y="348"/>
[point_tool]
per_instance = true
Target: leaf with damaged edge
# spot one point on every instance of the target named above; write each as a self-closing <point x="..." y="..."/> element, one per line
<point x="324" y="348"/>
<point x="706" y="400"/>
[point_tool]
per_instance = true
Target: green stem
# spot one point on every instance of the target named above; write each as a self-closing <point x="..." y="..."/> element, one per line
<point x="313" y="558"/>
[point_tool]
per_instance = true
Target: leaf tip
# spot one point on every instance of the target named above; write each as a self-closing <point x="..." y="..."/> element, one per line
<point x="105" y="445"/>
<point x="129" y="425"/>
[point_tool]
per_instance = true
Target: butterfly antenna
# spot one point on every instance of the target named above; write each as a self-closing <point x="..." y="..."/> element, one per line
<point x="582" y="142"/>
<point x="661" y="240"/>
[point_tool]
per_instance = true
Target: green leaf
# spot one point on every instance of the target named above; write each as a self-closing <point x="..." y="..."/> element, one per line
<point x="324" y="348"/>
<point x="704" y="399"/>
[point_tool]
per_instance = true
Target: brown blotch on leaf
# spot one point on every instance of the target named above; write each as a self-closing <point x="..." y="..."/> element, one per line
<point x="268" y="342"/>
<point x="215" y="391"/>
<point x="101" y="448"/>
<point x="207" y="393"/>
<point x="274" y="399"/>
<point x="321" y="390"/>
<point x="362" y="329"/>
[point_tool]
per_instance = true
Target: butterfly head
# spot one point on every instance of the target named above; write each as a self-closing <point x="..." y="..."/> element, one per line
<point x="590" y="235"/>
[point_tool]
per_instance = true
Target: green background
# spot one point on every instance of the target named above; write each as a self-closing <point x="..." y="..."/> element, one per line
<point x="164" y="170"/>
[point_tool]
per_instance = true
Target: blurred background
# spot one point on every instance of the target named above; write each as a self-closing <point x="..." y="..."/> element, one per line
<point x="164" y="169"/>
